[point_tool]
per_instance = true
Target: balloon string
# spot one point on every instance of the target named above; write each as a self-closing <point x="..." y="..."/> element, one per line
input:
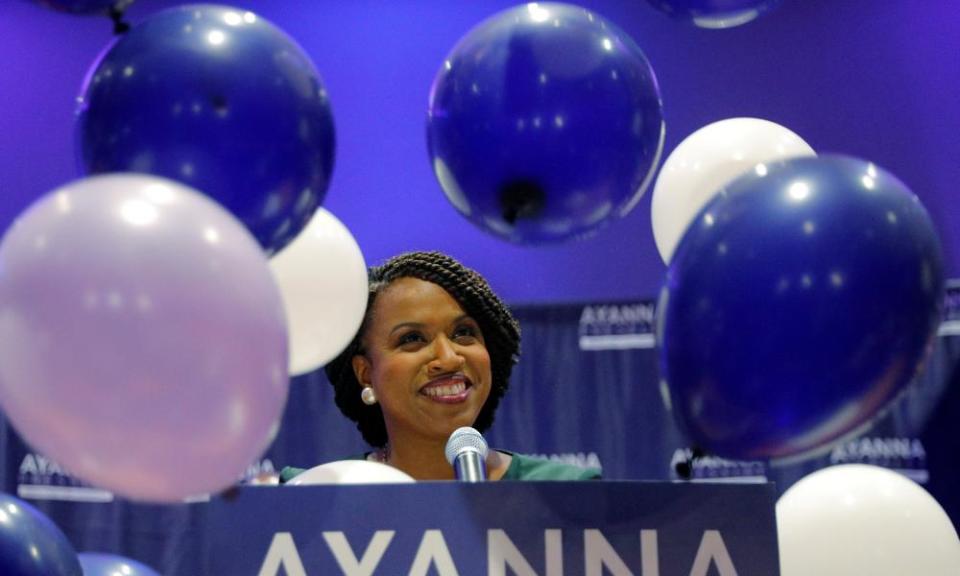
<point x="684" y="468"/>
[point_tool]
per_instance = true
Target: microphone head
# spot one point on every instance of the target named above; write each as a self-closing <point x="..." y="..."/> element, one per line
<point x="465" y="439"/>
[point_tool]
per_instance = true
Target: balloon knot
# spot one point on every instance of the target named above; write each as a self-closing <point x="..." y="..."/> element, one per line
<point x="521" y="199"/>
<point x="117" y="12"/>
<point x="684" y="468"/>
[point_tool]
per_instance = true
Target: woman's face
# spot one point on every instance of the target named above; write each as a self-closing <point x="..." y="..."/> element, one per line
<point x="425" y="359"/>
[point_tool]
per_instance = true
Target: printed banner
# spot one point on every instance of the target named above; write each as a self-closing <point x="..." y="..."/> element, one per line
<point x="496" y="528"/>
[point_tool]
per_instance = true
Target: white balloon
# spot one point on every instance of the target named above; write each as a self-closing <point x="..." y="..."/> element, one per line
<point x="708" y="160"/>
<point x="857" y="519"/>
<point x="351" y="472"/>
<point x="323" y="279"/>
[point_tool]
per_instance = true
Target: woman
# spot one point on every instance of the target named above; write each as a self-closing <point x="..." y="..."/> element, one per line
<point x="434" y="353"/>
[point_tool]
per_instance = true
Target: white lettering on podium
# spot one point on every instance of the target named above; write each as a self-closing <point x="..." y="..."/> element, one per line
<point x="282" y="552"/>
<point x="713" y="549"/>
<point x="502" y="552"/>
<point x="347" y="560"/>
<point x="597" y="553"/>
<point x="433" y="551"/>
<point x="553" y="549"/>
<point x="649" y="553"/>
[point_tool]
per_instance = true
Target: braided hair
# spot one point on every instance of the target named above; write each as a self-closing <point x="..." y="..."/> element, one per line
<point x="501" y="334"/>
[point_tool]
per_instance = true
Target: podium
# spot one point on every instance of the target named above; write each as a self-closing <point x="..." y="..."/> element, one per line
<point x="496" y="528"/>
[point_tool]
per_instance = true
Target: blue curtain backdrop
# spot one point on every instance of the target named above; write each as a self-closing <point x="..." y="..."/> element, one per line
<point x="586" y="391"/>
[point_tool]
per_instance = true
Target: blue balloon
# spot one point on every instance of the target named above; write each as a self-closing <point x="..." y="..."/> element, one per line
<point x="100" y="564"/>
<point x="221" y="100"/>
<point x="798" y="306"/>
<point x="544" y="122"/>
<point x="715" y="13"/>
<point x="31" y="544"/>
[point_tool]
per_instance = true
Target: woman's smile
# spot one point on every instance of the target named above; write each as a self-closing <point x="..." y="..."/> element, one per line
<point x="449" y="389"/>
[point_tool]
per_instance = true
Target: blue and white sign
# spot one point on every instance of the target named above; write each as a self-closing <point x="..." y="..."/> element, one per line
<point x="497" y="528"/>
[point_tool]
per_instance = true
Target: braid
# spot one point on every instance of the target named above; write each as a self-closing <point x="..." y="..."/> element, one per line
<point x="501" y="333"/>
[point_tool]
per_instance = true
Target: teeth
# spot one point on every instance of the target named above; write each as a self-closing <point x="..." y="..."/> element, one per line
<point x="445" y="390"/>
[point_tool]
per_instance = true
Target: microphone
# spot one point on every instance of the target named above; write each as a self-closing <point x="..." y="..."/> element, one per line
<point x="466" y="451"/>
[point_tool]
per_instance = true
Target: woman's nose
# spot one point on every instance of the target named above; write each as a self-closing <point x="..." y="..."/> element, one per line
<point x="446" y="357"/>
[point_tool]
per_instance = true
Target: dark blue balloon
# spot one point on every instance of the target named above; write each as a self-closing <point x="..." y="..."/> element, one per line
<point x="544" y="122"/>
<point x="798" y="305"/>
<point x="221" y="100"/>
<point x="715" y="13"/>
<point x="99" y="564"/>
<point x="31" y="544"/>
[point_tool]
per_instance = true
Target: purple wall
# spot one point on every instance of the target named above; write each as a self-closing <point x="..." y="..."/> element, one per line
<point x="879" y="80"/>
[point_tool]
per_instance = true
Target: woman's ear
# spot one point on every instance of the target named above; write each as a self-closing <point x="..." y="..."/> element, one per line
<point x="361" y="369"/>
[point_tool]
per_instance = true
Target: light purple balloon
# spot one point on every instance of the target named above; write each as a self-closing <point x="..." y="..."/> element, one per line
<point x="143" y="343"/>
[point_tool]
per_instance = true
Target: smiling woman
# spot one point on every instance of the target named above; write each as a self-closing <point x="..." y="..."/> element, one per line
<point x="434" y="353"/>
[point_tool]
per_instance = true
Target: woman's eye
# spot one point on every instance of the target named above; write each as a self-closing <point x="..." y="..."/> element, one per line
<point x="466" y="334"/>
<point x="410" y="338"/>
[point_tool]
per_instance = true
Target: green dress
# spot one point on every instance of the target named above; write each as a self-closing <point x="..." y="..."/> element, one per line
<point x="521" y="468"/>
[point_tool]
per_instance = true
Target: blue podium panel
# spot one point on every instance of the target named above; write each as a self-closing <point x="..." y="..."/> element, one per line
<point x="496" y="528"/>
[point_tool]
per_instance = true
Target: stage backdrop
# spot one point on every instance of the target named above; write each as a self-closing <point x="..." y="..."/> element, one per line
<point x="586" y="391"/>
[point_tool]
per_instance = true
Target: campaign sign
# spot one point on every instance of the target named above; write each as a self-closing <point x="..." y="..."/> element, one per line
<point x="496" y="528"/>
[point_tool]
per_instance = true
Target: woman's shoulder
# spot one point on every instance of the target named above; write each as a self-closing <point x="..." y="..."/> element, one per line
<point x="524" y="467"/>
<point x="288" y="473"/>
<point x="521" y="467"/>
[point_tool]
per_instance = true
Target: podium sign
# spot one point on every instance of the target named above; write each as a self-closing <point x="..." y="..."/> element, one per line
<point x="496" y="528"/>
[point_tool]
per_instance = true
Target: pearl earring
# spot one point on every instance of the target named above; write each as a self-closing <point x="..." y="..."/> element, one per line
<point x="368" y="396"/>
